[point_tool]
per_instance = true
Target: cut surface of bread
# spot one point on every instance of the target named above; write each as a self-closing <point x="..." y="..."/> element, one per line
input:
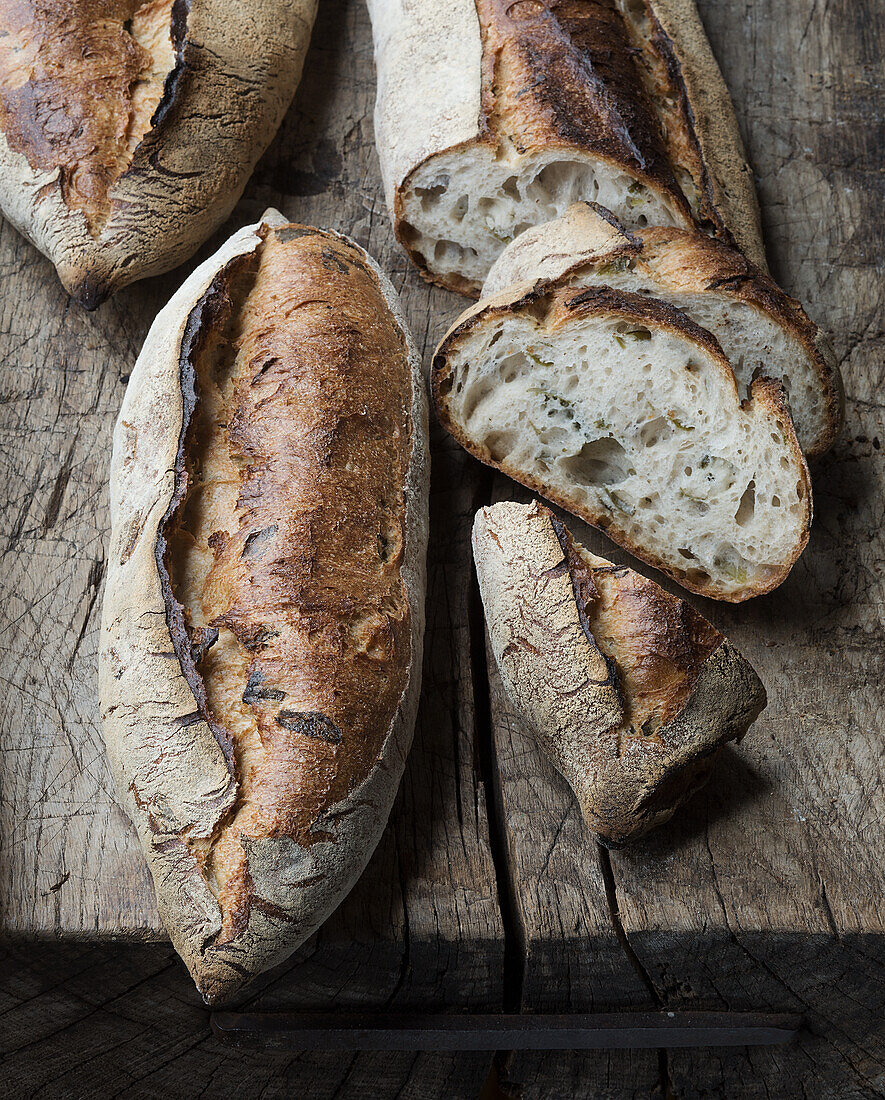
<point x="763" y="332"/>
<point x="263" y="614"/>
<point x="626" y="413"/>
<point x="492" y="117"/>
<point x="627" y="688"/>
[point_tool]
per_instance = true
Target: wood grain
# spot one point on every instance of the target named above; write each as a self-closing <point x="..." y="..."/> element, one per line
<point x="766" y="891"/>
<point x="423" y="926"/>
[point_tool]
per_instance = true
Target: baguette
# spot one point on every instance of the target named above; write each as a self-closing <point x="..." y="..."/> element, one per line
<point x="262" y="626"/>
<point x="627" y="413"/>
<point x="760" y="328"/>
<point x="128" y="129"/>
<point x="628" y="689"/>
<point x="494" y="116"/>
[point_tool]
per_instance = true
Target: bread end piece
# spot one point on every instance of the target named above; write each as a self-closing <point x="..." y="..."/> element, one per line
<point x="628" y="689"/>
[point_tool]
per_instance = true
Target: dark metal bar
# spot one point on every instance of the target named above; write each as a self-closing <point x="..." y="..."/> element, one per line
<point x="289" y="1031"/>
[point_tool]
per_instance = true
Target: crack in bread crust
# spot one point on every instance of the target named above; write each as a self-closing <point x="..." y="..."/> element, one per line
<point x="289" y="541"/>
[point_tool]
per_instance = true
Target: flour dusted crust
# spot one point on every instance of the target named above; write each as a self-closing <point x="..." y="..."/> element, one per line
<point x="128" y="130"/>
<point x="762" y="330"/>
<point x="493" y="116"/>
<point x="630" y="691"/>
<point x="251" y="848"/>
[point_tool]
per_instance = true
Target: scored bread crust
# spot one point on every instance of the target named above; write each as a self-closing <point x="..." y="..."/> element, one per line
<point x="633" y="719"/>
<point x="705" y="129"/>
<point x="466" y="75"/>
<point x="235" y="71"/>
<point x="682" y="262"/>
<point x="559" y="306"/>
<point x="171" y="762"/>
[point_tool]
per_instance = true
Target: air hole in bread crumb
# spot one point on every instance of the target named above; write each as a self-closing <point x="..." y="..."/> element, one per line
<point x="747" y="506"/>
<point x="500" y="444"/>
<point x="599" y="462"/>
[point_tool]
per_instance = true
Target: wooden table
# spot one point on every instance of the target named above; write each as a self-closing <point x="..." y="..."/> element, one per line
<point x="486" y="893"/>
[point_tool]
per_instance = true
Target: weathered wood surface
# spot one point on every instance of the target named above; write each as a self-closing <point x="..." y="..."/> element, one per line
<point x="423" y="926"/>
<point x="767" y="891"/>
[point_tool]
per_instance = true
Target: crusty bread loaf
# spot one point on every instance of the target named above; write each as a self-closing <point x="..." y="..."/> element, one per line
<point x="128" y="128"/>
<point x="629" y="690"/>
<point x="762" y="331"/>
<point x="262" y="626"/>
<point x="627" y="413"/>
<point x="494" y="116"/>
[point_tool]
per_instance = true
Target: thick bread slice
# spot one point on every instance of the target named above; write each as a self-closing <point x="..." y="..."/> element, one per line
<point x="262" y="626"/>
<point x="629" y="690"/>
<point x="128" y="129"/>
<point x="492" y="117"/>
<point x="626" y="413"/>
<point x="763" y="332"/>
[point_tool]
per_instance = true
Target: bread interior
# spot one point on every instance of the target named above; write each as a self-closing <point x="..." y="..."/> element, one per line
<point x="753" y="341"/>
<point x="638" y="429"/>
<point x="461" y="208"/>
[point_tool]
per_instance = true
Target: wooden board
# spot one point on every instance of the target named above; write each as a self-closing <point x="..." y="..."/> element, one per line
<point x="765" y="893"/>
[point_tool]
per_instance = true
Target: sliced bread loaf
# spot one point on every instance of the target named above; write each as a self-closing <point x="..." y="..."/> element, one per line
<point x="495" y="116"/>
<point x="628" y="689"/>
<point x="763" y="331"/>
<point x="624" y="411"/>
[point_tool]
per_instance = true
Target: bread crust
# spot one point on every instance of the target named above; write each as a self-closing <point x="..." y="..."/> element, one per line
<point x="532" y="76"/>
<point x="682" y="261"/>
<point x="235" y="70"/>
<point x="628" y="689"/>
<point x="173" y="762"/>
<point x="702" y="130"/>
<point x="561" y="304"/>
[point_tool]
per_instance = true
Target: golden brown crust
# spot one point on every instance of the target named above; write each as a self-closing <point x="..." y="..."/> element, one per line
<point x="657" y="642"/>
<point x="562" y="74"/>
<point x="724" y="207"/>
<point x="80" y="81"/>
<point x="297" y="563"/>
<point x="703" y="125"/>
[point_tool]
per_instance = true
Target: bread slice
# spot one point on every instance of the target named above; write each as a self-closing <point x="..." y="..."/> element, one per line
<point x="628" y="689"/>
<point x="762" y="331"/>
<point x="625" y="412"/>
<point x="494" y="116"/>
<point x="128" y="129"/>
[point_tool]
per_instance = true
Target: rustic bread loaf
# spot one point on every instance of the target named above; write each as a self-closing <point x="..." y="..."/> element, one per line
<point x="128" y="128"/>
<point x="762" y="331"/>
<point x="493" y="116"/>
<point x="262" y="625"/>
<point x="628" y="689"/>
<point x="627" y="413"/>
